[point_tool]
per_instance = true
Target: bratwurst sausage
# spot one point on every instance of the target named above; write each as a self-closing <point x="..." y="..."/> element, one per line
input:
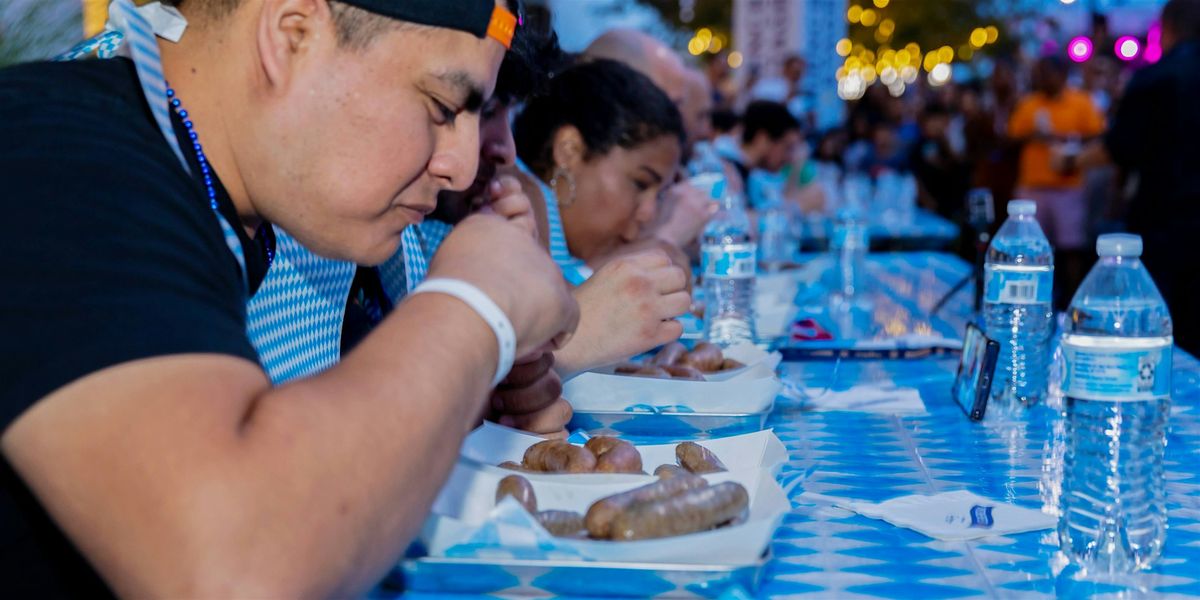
<point x="559" y="456"/>
<point x="690" y="512"/>
<point x="614" y="455"/>
<point x="520" y="489"/>
<point x="698" y="459"/>
<point x="600" y="515"/>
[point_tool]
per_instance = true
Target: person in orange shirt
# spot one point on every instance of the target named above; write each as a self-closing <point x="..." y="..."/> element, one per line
<point x="1053" y="122"/>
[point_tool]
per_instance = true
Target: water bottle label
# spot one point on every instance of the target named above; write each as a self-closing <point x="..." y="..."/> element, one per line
<point x="1009" y="284"/>
<point x="850" y="236"/>
<point x="1115" y="374"/>
<point x="734" y="261"/>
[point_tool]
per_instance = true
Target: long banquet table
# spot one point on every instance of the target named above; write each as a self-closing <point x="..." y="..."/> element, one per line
<point x="822" y="551"/>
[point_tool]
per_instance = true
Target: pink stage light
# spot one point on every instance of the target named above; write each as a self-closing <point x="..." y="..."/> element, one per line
<point x="1080" y="49"/>
<point x="1127" y="48"/>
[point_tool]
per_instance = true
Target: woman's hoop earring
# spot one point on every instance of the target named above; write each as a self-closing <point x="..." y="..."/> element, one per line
<point x="561" y="173"/>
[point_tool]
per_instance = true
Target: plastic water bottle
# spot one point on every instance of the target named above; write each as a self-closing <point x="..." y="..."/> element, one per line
<point x="849" y="245"/>
<point x="778" y="231"/>
<point x="1018" y="281"/>
<point x="728" y="258"/>
<point x="705" y="160"/>
<point x="1116" y="383"/>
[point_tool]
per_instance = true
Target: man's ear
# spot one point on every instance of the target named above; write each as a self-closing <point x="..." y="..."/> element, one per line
<point x="290" y="31"/>
<point x="569" y="149"/>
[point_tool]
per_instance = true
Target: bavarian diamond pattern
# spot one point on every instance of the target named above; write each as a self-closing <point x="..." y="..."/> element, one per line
<point x="821" y="551"/>
<point x="295" y="319"/>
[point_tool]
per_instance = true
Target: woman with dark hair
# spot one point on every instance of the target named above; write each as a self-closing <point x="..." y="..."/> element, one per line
<point x="602" y="142"/>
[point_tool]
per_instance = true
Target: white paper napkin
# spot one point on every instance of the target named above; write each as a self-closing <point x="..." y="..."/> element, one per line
<point x="888" y="400"/>
<point x="949" y="516"/>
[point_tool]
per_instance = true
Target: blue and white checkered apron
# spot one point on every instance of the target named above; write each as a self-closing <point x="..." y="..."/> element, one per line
<point x="575" y="270"/>
<point x="294" y="320"/>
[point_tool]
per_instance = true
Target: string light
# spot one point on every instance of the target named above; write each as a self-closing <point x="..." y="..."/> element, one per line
<point x="734" y="60"/>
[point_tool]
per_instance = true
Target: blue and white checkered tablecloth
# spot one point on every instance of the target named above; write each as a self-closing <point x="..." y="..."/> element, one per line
<point x="825" y="552"/>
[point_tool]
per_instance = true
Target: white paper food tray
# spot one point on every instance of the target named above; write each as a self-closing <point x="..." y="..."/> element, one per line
<point x="759" y="363"/>
<point x="464" y="524"/>
<point x="492" y="444"/>
<point x="750" y="390"/>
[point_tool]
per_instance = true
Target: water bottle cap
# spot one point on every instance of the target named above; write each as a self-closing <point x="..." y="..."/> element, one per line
<point x="1119" y="244"/>
<point x="1022" y="207"/>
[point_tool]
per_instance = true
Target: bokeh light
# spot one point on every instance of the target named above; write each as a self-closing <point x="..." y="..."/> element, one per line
<point x="1128" y="47"/>
<point x="735" y="59"/>
<point x="979" y="37"/>
<point x="854" y="14"/>
<point x="1080" y="49"/>
<point x="843" y="47"/>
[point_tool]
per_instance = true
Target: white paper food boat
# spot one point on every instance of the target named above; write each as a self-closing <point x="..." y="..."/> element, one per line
<point x="466" y="523"/>
<point x="492" y="444"/>
<point x="747" y="390"/>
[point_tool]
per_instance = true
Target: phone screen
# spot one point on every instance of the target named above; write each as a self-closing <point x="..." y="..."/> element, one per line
<point x="973" y="384"/>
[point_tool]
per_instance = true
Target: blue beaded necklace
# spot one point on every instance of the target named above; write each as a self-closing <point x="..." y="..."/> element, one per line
<point x="205" y="171"/>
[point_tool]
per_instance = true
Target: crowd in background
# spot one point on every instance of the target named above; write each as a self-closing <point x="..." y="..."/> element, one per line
<point x="1036" y="127"/>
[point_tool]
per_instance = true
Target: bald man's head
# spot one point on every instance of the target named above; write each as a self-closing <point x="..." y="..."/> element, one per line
<point x="645" y="54"/>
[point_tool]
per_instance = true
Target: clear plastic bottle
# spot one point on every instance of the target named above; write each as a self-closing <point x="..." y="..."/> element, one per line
<point x="728" y="257"/>
<point x="1116" y="348"/>
<point x="849" y="243"/>
<point x="705" y="160"/>
<point x="1017" y="310"/>
<point x="778" y="228"/>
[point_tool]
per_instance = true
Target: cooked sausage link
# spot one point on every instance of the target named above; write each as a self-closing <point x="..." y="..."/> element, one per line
<point x="562" y="523"/>
<point x="620" y="458"/>
<point x="628" y="368"/>
<point x="669" y="355"/>
<point x="729" y="364"/>
<point x="513" y="466"/>
<point x="705" y="357"/>
<point x="559" y="456"/>
<point x="600" y="514"/>
<point x="519" y="488"/>
<point x="602" y="443"/>
<point x="684" y="372"/>
<point x="698" y="459"/>
<point x="693" y="511"/>
<point x="668" y="471"/>
<point x="652" y="371"/>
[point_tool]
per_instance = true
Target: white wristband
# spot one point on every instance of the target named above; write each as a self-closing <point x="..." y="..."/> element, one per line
<point x="506" y="338"/>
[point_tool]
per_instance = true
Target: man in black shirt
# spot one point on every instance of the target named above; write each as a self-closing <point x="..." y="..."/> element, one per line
<point x="1154" y="138"/>
<point x="136" y="424"/>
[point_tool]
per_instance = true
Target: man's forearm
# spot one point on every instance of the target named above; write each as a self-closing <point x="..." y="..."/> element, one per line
<point x="362" y="450"/>
<point x="189" y="476"/>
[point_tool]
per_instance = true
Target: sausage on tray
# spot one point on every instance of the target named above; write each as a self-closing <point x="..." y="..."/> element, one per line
<point x="683" y="372"/>
<point x="562" y="523"/>
<point x="669" y="355"/>
<point x="690" y="512"/>
<point x="513" y="466"/>
<point x="705" y="357"/>
<point x="601" y="513"/>
<point x="614" y="455"/>
<point x="652" y="371"/>
<point x="559" y="456"/>
<point x="729" y="364"/>
<point x="669" y="471"/>
<point x="698" y="459"/>
<point x="519" y="488"/>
